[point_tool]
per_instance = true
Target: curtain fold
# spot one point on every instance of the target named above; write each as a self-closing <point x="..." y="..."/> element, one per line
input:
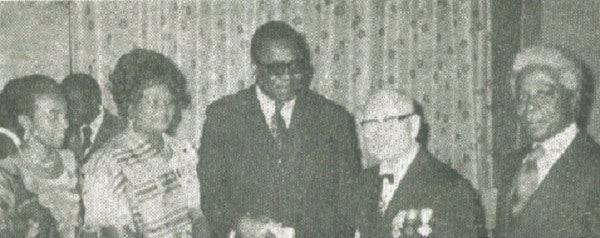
<point x="436" y="51"/>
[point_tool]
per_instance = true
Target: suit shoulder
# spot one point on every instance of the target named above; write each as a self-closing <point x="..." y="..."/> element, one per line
<point x="115" y="121"/>
<point x="593" y="148"/>
<point x="229" y="102"/>
<point x="589" y="156"/>
<point x="442" y="169"/>
<point x="326" y="105"/>
<point x="448" y="175"/>
<point x="508" y="164"/>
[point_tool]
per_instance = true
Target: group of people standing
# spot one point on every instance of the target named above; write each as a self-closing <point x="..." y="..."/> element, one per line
<point x="277" y="159"/>
<point x="72" y="169"/>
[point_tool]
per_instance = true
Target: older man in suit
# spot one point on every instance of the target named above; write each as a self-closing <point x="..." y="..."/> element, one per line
<point x="90" y="124"/>
<point x="550" y="188"/>
<point x="275" y="156"/>
<point x="409" y="193"/>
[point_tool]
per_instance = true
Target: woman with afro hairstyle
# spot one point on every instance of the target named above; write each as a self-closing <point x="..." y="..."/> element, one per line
<point x="143" y="183"/>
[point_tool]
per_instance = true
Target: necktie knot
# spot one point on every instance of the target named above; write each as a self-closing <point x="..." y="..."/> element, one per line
<point x="537" y="152"/>
<point x="527" y="178"/>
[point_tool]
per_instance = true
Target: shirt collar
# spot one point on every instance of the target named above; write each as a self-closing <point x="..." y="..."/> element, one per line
<point x="267" y="106"/>
<point x="95" y="124"/>
<point x="559" y="142"/>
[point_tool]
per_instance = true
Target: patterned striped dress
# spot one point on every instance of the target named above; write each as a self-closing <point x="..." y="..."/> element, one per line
<point x="161" y="194"/>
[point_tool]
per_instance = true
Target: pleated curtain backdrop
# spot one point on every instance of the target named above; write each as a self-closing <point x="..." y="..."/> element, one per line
<point x="437" y="51"/>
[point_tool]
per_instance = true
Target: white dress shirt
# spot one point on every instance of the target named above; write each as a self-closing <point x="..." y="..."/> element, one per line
<point x="554" y="148"/>
<point x="398" y="168"/>
<point x="267" y="106"/>
<point x="94" y="126"/>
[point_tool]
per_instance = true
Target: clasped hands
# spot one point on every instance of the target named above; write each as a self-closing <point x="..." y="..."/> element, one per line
<point x="263" y="227"/>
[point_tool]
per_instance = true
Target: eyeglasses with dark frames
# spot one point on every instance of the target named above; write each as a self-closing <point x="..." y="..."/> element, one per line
<point x="385" y="119"/>
<point x="294" y="67"/>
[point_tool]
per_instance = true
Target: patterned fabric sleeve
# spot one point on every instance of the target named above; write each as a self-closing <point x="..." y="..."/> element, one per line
<point x="103" y="207"/>
<point x="21" y="214"/>
<point x="7" y="200"/>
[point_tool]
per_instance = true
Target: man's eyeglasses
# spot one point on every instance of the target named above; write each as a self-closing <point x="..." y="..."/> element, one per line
<point x="294" y="67"/>
<point x="540" y="97"/>
<point x="369" y="122"/>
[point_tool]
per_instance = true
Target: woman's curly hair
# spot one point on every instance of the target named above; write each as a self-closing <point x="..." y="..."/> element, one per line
<point x="140" y="69"/>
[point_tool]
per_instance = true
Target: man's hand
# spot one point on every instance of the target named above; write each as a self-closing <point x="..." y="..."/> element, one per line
<point x="277" y="230"/>
<point x="249" y="227"/>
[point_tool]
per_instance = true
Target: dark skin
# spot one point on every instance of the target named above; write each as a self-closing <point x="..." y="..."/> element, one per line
<point x="279" y="86"/>
<point x="545" y="106"/>
<point x="46" y="128"/>
<point x="286" y="86"/>
<point x="83" y="106"/>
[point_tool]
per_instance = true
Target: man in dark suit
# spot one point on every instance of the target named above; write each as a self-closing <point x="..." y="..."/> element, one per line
<point x="409" y="193"/>
<point x="90" y="124"/>
<point x="551" y="188"/>
<point x="275" y="156"/>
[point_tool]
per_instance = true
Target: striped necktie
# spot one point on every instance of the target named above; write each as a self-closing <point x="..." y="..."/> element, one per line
<point x="527" y="179"/>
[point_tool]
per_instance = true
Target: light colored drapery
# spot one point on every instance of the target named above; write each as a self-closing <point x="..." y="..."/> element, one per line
<point x="34" y="39"/>
<point x="435" y="50"/>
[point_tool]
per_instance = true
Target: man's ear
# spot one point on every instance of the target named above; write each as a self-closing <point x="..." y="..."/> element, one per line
<point x="415" y="126"/>
<point x="25" y="122"/>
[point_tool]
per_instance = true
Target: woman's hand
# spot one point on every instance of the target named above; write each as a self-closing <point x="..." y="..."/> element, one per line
<point x="262" y="227"/>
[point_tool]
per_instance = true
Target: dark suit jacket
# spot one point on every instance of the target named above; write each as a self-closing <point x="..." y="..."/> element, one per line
<point x="111" y="126"/>
<point x="566" y="203"/>
<point x="240" y="173"/>
<point x="428" y="183"/>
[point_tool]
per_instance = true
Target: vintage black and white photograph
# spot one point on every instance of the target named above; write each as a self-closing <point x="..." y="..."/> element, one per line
<point x="300" y="119"/>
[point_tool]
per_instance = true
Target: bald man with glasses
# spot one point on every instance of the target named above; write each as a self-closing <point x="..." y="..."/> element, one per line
<point x="409" y="193"/>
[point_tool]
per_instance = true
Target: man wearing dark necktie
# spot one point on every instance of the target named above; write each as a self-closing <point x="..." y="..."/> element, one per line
<point x="275" y="156"/>
<point x="278" y="124"/>
<point x="551" y="188"/>
<point x="90" y="124"/>
<point x="409" y="193"/>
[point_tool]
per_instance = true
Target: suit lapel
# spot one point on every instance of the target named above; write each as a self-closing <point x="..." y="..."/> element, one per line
<point x="561" y="172"/>
<point x="255" y="119"/>
<point x="302" y="153"/>
<point x="408" y="188"/>
<point x="370" y="220"/>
